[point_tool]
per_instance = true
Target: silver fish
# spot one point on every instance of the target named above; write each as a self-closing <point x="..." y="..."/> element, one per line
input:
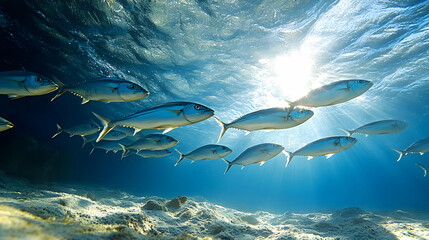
<point x="268" y="119"/>
<point x="166" y="116"/>
<point x="256" y="154"/>
<point x="379" y="127"/>
<point x="207" y="152"/>
<point x="149" y="142"/>
<point x="81" y="129"/>
<point x="153" y="153"/>
<point x="5" y="124"/>
<point x="425" y="169"/>
<point x="323" y="147"/>
<point x="111" y="136"/>
<point x="333" y="93"/>
<point x="106" y="145"/>
<point x="18" y="84"/>
<point x="421" y="146"/>
<point x="104" y="90"/>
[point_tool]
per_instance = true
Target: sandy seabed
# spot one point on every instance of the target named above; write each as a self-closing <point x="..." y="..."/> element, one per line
<point x="55" y="211"/>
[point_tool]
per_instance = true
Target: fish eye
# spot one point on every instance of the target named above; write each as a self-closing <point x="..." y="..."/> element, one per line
<point x="37" y="79"/>
<point x="361" y="81"/>
<point x="132" y="86"/>
<point x="198" y="107"/>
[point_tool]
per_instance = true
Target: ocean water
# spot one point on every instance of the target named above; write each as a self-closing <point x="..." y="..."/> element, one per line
<point x="235" y="57"/>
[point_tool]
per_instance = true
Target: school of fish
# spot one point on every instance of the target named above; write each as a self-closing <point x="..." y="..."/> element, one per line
<point x="123" y="134"/>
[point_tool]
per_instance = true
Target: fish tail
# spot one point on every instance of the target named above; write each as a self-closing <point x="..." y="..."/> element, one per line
<point x="106" y="126"/>
<point x="181" y="157"/>
<point x="224" y="128"/>
<point x="60" y="130"/>
<point x="125" y="150"/>
<point x="425" y="169"/>
<point x="62" y="88"/>
<point x="401" y="154"/>
<point x="229" y="165"/>
<point x="349" y="132"/>
<point x="289" y="157"/>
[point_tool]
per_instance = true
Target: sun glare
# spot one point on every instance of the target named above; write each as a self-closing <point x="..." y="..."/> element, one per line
<point x="290" y="75"/>
<point x="293" y="74"/>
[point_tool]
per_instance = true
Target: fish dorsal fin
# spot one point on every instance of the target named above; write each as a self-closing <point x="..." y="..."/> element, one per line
<point x="262" y="163"/>
<point x="309" y="157"/>
<point x="136" y="130"/>
<point x="14" y="97"/>
<point x="167" y="130"/>
<point x="177" y="112"/>
<point x="329" y="155"/>
<point x="84" y="101"/>
<point x="14" y="80"/>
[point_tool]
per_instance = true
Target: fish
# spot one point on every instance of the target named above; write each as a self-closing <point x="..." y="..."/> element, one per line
<point x="323" y="147"/>
<point x="149" y="142"/>
<point x="425" y="169"/>
<point x="5" y="124"/>
<point x="106" y="145"/>
<point x="257" y="154"/>
<point x="153" y="153"/>
<point x="165" y="116"/>
<point x="421" y="146"/>
<point x="111" y="136"/>
<point x="104" y="90"/>
<point x="80" y="130"/>
<point x="332" y="93"/>
<point x="207" y="152"/>
<point x="18" y="84"/>
<point x="379" y="127"/>
<point x="267" y="119"/>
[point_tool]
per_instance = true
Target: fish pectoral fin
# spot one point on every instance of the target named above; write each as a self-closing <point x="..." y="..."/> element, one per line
<point x="14" y="80"/>
<point x="113" y="89"/>
<point x="14" y="97"/>
<point x="155" y="141"/>
<point x="213" y="151"/>
<point x="242" y="166"/>
<point x="263" y="150"/>
<point x="310" y="157"/>
<point x="167" y="130"/>
<point x="422" y="153"/>
<point x="344" y="89"/>
<point x="337" y="141"/>
<point x="177" y="112"/>
<point x="262" y="163"/>
<point x="115" y="151"/>
<point x="329" y="155"/>
<point x="247" y="133"/>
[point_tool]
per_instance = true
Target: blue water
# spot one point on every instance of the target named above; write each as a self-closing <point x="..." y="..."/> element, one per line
<point x="234" y="57"/>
